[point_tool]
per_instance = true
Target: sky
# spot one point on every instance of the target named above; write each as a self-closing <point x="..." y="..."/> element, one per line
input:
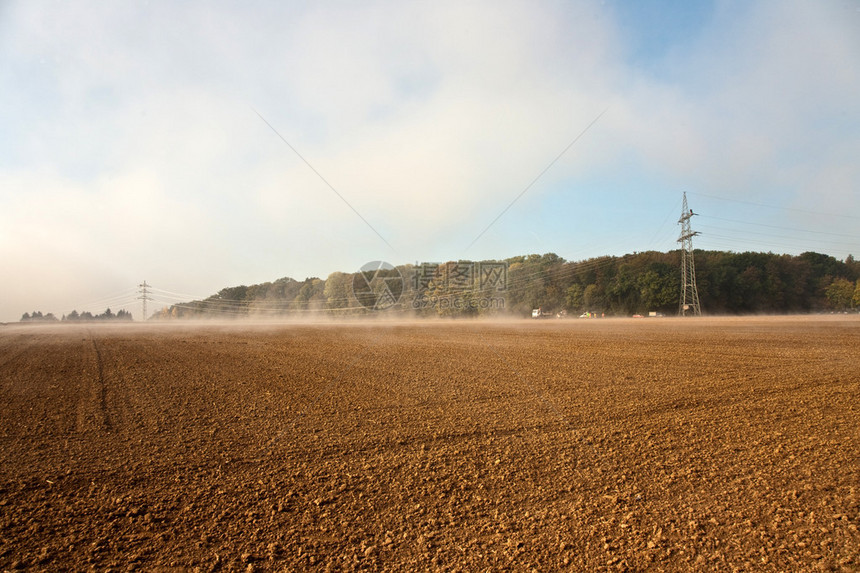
<point x="199" y="145"/>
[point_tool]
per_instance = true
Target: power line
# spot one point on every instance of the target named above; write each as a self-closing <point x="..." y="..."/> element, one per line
<point x="830" y="233"/>
<point x="324" y="180"/>
<point x="804" y="211"/>
<point x="535" y="180"/>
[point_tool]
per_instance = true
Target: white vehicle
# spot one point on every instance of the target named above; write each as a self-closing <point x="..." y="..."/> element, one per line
<point x="539" y="313"/>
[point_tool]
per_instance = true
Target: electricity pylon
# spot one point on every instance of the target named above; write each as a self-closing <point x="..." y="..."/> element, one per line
<point x="689" y="305"/>
<point x="144" y="296"/>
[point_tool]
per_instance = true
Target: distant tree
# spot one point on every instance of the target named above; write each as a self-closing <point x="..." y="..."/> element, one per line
<point x="37" y="316"/>
<point x="537" y="281"/>
<point x="307" y="292"/>
<point x="284" y="289"/>
<point x="852" y="267"/>
<point x="659" y="289"/>
<point x="257" y="292"/>
<point x="338" y="291"/>
<point x="449" y="290"/>
<point x="823" y="265"/>
<point x="856" y="299"/>
<point x="592" y="299"/>
<point x="840" y="293"/>
<point x="574" y="297"/>
<point x="622" y="293"/>
<point x="236" y="293"/>
<point x="230" y="301"/>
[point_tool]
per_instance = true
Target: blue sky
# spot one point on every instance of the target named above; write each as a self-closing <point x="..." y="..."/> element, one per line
<point x="131" y="148"/>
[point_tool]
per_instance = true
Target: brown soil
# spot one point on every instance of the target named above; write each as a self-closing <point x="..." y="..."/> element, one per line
<point x="657" y="444"/>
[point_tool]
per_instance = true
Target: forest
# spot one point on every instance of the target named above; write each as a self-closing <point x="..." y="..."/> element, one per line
<point x="639" y="283"/>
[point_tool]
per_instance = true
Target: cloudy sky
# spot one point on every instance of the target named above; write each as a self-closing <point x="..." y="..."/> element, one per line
<point x="143" y="140"/>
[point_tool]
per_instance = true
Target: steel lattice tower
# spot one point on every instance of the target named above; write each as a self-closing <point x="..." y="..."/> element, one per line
<point x="144" y="296"/>
<point x="689" y="305"/>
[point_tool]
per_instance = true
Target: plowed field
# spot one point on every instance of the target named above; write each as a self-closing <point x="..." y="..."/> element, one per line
<point x="618" y="445"/>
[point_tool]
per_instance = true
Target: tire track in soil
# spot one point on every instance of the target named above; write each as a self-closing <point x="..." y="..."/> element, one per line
<point x="92" y="400"/>
<point x="101" y="390"/>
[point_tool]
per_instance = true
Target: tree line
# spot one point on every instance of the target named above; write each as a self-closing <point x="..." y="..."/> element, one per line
<point x="75" y="316"/>
<point x="283" y="296"/>
<point x="728" y="283"/>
